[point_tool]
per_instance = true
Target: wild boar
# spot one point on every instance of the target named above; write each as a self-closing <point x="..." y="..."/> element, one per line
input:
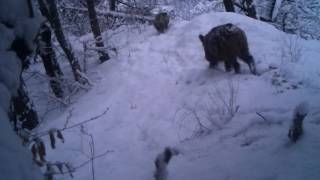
<point x="161" y="22"/>
<point x="225" y="43"/>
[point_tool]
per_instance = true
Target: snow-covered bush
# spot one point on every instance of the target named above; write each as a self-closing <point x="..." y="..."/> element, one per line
<point x="223" y="102"/>
<point x="188" y="9"/>
<point x="300" y="17"/>
<point x="16" y="21"/>
<point x="291" y="49"/>
<point x="213" y="111"/>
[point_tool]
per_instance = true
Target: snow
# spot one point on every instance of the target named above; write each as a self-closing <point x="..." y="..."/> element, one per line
<point x="160" y="84"/>
<point x="16" y="160"/>
<point x="13" y="11"/>
<point x="6" y="37"/>
<point x="12" y="65"/>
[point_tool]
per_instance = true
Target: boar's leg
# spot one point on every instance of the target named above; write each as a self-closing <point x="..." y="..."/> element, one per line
<point x="227" y="65"/>
<point x="235" y="65"/>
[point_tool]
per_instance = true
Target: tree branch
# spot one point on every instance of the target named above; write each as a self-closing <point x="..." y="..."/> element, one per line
<point x="41" y="134"/>
<point x="264" y="119"/>
<point x="112" y="14"/>
<point x="80" y="165"/>
<point x="240" y="6"/>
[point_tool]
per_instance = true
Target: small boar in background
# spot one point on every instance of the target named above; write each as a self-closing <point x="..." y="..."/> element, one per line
<point x="161" y="22"/>
<point x="225" y="43"/>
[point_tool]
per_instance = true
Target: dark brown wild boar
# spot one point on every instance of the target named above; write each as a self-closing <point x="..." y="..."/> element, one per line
<point x="226" y="43"/>
<point x="161" y="22"/>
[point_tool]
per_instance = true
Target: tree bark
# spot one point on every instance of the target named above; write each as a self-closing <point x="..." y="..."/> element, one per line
<point x="30" y="7"/>
<point x="273" y="4"/>
<point x="112" y="5"/>
<point x="49" y="60"/>
<point x="50" y="10"/>
<point x="248" y="7"/>
<point x="228" y="4"/>
<point x="251" y="9"/>
<point x="104" y="56"/>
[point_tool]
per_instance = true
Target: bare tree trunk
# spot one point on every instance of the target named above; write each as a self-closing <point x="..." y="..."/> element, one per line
<point x="49" y="61"/>
<point x="30" y="7"/>
<point x="228" y="4"/>
<point x="251" y="9"/>
<point x="273" y="5"/>
<point x="112" y="5"/>
<point x="96" y="30"/>
<point x="248" y="7"/>
<point x="50" y="10"/>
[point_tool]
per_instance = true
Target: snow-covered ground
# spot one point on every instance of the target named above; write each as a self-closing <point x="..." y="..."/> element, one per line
<point x="159" y="86"/>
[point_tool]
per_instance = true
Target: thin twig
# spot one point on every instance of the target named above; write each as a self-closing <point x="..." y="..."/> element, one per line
<point x="265" y="120"/>
<point x="41" y="134"/>
<point x="83" y="163"/>
<point x="92" y="151"/>
<point x="56" y="99"/>
<point x="86" y="121"/>
<point x="68" y="118"/>
<point x="88" y="161"/>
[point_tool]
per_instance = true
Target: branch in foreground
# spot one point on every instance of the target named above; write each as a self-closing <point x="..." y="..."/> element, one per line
<point x="264" y="119"/>
<point x="86" y="121"/>
<point x="268" y="121"/>
<point x="73" y="169"/>
<point x="41" y="134"/>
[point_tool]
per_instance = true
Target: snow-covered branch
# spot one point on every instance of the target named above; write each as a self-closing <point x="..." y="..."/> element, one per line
<point x="111" y="13"/>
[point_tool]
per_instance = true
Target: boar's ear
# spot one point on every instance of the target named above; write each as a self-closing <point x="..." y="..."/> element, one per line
<point x="201" y="37"/>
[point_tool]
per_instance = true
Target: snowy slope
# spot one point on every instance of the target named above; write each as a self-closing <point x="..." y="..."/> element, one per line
<point x="157" y="85"/>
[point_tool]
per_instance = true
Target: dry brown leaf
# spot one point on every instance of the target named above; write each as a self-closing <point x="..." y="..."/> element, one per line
<point x="52" y="139"/>
<point x="59" y="135"/>
<point x="42" y="151"/>
<point x="34" y="151"/>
